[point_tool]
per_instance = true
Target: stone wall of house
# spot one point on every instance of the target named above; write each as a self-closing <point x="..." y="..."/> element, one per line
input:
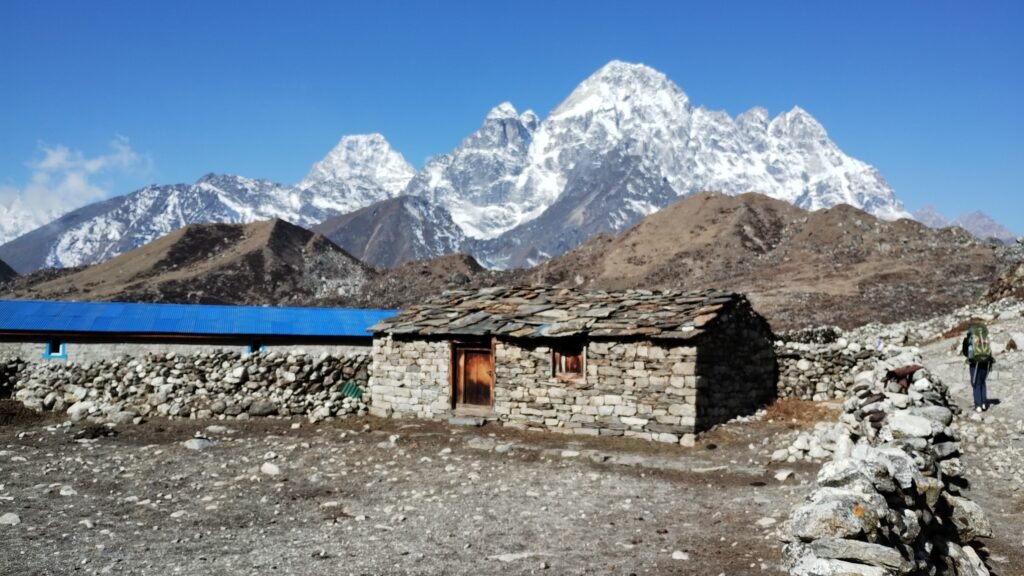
<point x="215" y="384"/>
<point x="635" y="389"/>
<point x="737" y="371"/>
<point x="410" y="378"/>
<point x="79" y="351"/>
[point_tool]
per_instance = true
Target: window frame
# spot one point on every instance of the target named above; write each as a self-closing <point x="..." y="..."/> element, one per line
<point x="62" y="349"/>
<point x="569" y="349"/>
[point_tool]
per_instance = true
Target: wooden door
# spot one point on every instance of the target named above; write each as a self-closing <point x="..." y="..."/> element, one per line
<point x="474" y="374"/>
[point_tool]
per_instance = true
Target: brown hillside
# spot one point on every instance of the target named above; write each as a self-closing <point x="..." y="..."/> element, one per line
<point x="270" y="262"/>
<point x="839" y="266"/>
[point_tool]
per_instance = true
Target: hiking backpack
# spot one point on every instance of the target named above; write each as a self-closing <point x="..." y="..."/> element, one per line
<point x="978" y="346"/>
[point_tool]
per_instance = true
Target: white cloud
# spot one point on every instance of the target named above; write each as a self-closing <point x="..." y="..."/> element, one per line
<point x="63" y="180"/>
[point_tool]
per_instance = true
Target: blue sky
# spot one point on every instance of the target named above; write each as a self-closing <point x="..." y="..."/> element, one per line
<point x="131" y="93"/>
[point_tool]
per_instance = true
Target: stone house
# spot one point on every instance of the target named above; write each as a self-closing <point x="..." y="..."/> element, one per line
<point x="656" y="365"/>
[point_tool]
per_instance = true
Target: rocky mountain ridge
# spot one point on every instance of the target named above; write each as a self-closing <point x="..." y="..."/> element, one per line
<point x="625" y="143"/>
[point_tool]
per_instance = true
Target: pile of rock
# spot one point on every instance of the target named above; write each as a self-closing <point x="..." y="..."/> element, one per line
<point x="217" y="384"/>
<point x="8" y="375"/>
<point x="819" y="370"/>
<point x="817" y="445"/>
<point x="893" y="504"/>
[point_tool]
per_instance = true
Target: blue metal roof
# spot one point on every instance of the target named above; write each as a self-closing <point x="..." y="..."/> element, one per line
<point x="118" y="317"/>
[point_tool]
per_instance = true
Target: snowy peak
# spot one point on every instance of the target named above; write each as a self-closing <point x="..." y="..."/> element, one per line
<point x="364" y="160"/>
<point x="621" y="88"/>
<point x="799" y="125"/>
<point x="502" y="111"/>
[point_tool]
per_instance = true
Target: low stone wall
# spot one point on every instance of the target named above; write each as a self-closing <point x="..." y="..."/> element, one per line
<point x="820" y="371"/>
<point x="79" y="351"/>
<point x="217" y="384"/>
<point x="890" y="502"/>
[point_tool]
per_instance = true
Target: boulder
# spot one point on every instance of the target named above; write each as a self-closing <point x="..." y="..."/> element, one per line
<point x="810" y="565"/>
<point x="861" y="552"/>
<point x="262" y="407"/>
<point x="968" y="517"/>
<point x="838" y="513"/>
<point x="903" y="424"/>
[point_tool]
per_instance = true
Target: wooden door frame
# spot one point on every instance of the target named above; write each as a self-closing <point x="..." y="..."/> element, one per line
<point x="454" y="346"/>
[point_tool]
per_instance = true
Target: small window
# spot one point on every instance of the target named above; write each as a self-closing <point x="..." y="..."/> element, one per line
<point x="567" y="361"/>
<point x="256" y="346"/>
<point x="55" y="349"/>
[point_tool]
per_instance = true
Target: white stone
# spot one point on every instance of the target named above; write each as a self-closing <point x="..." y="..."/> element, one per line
<point x="904" y="425"/>
<point x="10" y="519"/>
<point x="197" y="443"/>
<point x="680" y="555"/>
<point x="270" y="469"/>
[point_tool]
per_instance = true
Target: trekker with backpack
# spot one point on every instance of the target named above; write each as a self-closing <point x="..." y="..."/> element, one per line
<point x="978" y="350"/>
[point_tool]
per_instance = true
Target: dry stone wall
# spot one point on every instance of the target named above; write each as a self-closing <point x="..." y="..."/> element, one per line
<point x="214" y="384"/>
<point x="634" y="389"/>
<point x="410" y="378"/>
<point x="820" y="371"/>
<point x="889" y="501"/>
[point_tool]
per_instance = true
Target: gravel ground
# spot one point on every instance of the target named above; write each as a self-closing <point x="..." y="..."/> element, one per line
<point x="367" y="496"/>
<point x="993" y="442"/>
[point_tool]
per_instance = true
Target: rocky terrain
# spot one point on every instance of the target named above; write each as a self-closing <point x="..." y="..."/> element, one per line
<point x="368" y="496"/>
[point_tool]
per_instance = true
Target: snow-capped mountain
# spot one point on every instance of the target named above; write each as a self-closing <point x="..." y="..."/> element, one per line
<point x="477" y="182"/>
<point x="627" y="142"/>
<point x="359" y="171"/>
<point x="624" y="144"/>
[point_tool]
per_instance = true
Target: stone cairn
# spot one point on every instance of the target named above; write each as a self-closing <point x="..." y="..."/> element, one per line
<point x="214" y="385"/>
<point x="889" y="502"/>
<point x="819" y="364"/>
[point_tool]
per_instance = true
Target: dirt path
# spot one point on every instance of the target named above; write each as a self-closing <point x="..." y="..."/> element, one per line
<point x="399" y="497"/>
<point x="993" y="442"/>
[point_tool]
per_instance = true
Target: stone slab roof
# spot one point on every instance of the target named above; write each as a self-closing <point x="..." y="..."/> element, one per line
<point x="545" y="312"/>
